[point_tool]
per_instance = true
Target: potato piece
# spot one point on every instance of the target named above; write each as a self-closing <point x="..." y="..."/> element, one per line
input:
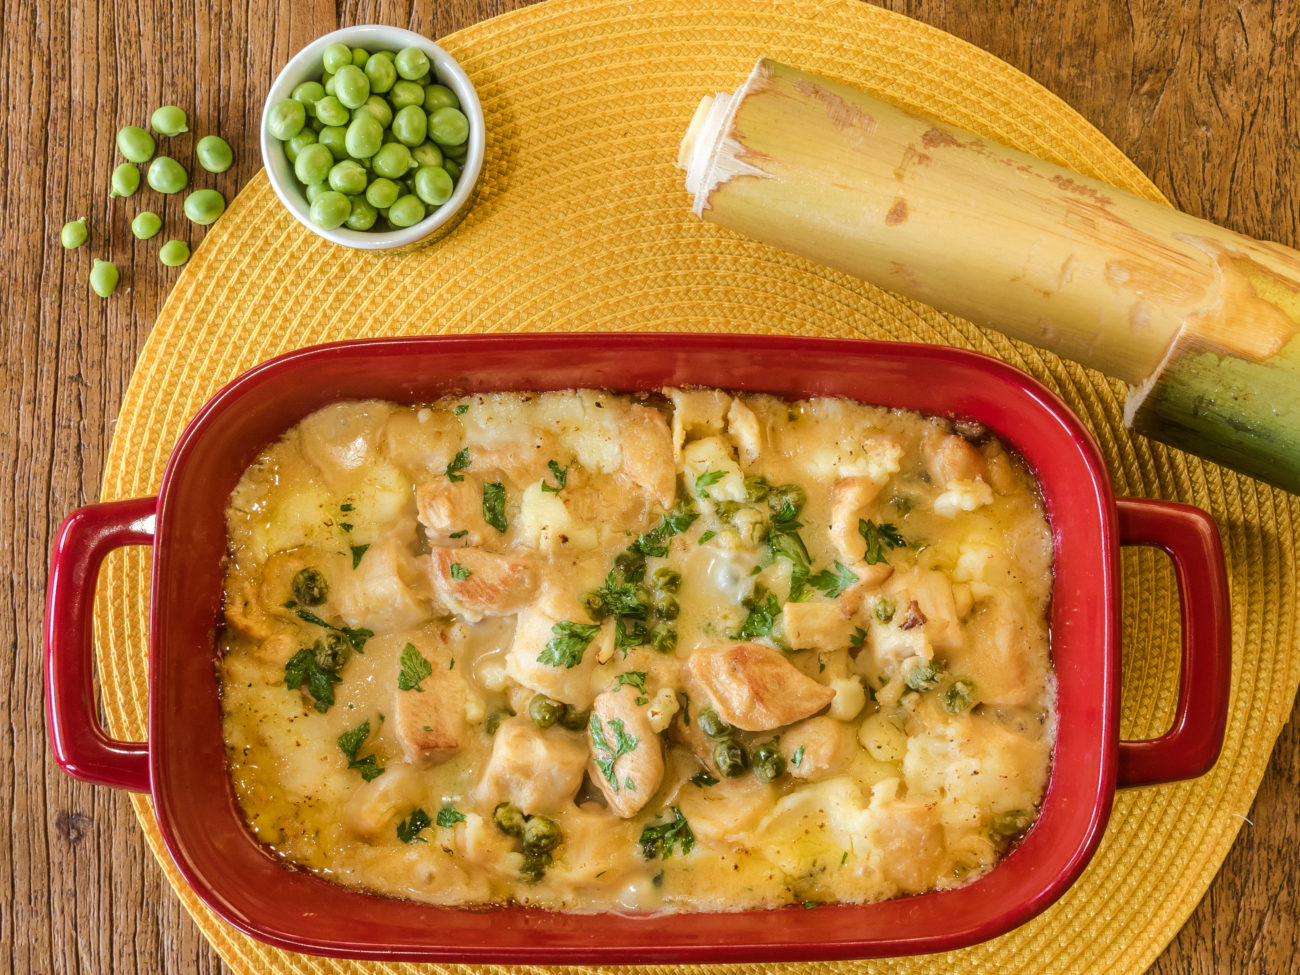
<point x="476" y="584"/>
<point x="539" y="771"/>
<point x="379" y="593"/>
<point x="911" y="844"/>
<point x="815" y="626"/>
<point x="696" y="413"/>
<point x="627" y="758"/>
<point x="755" y="688"/>
<point x="345" y="437"/>
<point x="745" y="432"/>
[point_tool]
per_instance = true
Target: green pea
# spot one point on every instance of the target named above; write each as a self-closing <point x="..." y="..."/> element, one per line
<point x="410" y="125"/>
<point x="573" y="719"/>
<point x="884" y="609"/>
<point x="712" y="724"/>
<point x="135" y="143"/>
<point x="348" y="177"/>
<point x="920" y="674"/>
<point x="534" y="866"/>
<point x="448" y="127"/>
<point x="295" y="145"/>
<point x="382" y="193"/>
<point x="432" y="185"/>
<point x="406" y="212"/>
<point x="630" y="563"/>
<point x="214" y="155"/>
<point x="331" y="111"/>
<point x="103" y="278"/>
<point x="332" y="652"/>
<point x="392" y="160"/>
<point x="310" y="587"/>
<point x="544" y="711"/>
<point x="541" y="835"/>
<point x="360" y="56"/>
<point x="594" y="603"/>
<point x="729" y="758"/>
<point x="351" y="86"/>
<point x="328" y="82"/>
<point x="1012" y="822"/>
<point x="424" y="80"/>
<point x="452" y="169"/>
<point x="313" y="164"/>
<point x="166" y="175"/>
<point x="204" y="206"/>
<point x="664" y="605"/>
<point x="363" y="215"/>
<point x="439" y="96"/>
<point x="146" y="224"/>
<point x="336" y="56"/>
<point x="509" y="818"/>
<point x="335" y="139"/>
<point x="364" y="137"/>
<point x="377" y="109"/>
<point x="315" y="125"/>
<point x="309" y="93"/>
<point x="174" y="253"/>
<point x="286" y="119"/>
<point x="316" y="189"/>
<point x="74" y="233"/>
<point x="405" y="93"/>
<point x="769" y="763"/>
<point x="756" y="487"/>
<point x="663" y="636"/>
<point x="125" y="181"/>
<point x="169" y="120"/>
<point x="381" y="73"/>
<point x="427" y="154"/>
<point x="411" y="62"/>
<point x="389" y="56"/>
<point x="786" y="495"/>
<point x="961" y="695"/>
<point x="330" y="209"/>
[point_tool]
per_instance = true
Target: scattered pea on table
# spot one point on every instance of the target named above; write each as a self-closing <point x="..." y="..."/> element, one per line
<point x="204" y="206"/>
<point x="125" y="181"/>
<point x="135" y="143"/>
<point x="174" y="253"/>
<point x="169" y="121"/>
<point x="103" y="278"/>
<point x="166" y="175"/>
<point x="146" y="224"/>
<point x="214" y="155"/>
<point x="74" y="233"/>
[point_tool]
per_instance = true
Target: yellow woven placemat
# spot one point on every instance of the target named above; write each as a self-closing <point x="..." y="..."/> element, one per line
<point x="582" y="223"/>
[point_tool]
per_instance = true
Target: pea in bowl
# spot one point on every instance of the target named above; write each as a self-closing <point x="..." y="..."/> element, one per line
<point x="389" y="156"/>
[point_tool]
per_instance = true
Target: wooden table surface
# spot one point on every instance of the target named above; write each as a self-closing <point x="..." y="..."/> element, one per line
<point x="1195" y="93"/>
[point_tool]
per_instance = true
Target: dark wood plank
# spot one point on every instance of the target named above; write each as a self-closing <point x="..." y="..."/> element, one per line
<point x="1196" y="94"/>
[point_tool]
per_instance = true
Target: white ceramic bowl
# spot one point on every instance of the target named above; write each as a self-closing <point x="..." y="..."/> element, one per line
<point x="306" y="66"/>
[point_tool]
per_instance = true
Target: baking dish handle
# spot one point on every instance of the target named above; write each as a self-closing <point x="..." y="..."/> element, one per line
<point x="80" y="745"/>
<point x="1191" y="539"/>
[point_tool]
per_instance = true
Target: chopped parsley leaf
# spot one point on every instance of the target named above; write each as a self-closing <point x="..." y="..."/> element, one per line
<point x="561" y="478"/>
<point x="345" y="526"/>
<point x="706" y="481"/>
<point x="302" y="667"/>
<point x="625" y="637"/>
<point x="623" y="743"/>
<point x="619" y="595"/>
<point x="633" y="678"/>
<point x="460" y="534"/>
<point x="657" y="841"/>
<point x="809" y="905"/>
<point x="878" y="538"/>
<point x="858" y="638"/>
<point x="357" y="637"/>
<point x="357" y="552"/>
<point x="458" y="463"/>
<point x="494" y="505"/>
<point x="459" y="572"/>
<point x="347" y="507"/>
<point x="706" y="536"/>
<point x="629" y="785"/>
<point x="702" y="779"/>
<point x="763" y="611"/>
<point x="797" y="758"/>
<point x="834" y="583"/>
<point x="462" y="409"/>
<point x="350" y="743"/>
<point x="409" y="829"/>
<point x="788" y="543"/>
<point x="570" y="642"/>
<point x="450" y="816"/>
<point x="415" y="668"/>
<point x="844" y="859"/>
<point x="655" y="543"/>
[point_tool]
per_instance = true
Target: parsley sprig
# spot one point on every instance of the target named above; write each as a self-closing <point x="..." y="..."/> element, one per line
<point x="561" y="475"/>
<point x="458" y="463"/>
<point x="570" y="642"/>
<point x="706" y="480"/>
<point x="494" y="505"/>
<point x="356" y="637"/>
<point x="763" y="612"/>
<point x="604" y="753"/>
<point x="320" y="682"/>
<point x="832" y="583"/>
<point x="658" y="840"/>
<point x="410" y="828"/>
<point x="655" y="542"/>
<point x="350" y="743"/>
<point x="415" y="668"/>
<point x="878" y="538"/>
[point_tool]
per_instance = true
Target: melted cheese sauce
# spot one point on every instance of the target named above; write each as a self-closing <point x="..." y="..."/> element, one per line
<point x="406" y="585"/>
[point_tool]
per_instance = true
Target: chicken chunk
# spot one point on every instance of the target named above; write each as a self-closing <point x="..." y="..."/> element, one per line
<point x="429" y="722"/>
<point x="539" y="771"/>
<point x="627" y="758"/>
<point x="754" y="687"/>
<point x="476" y="584"/>
<point x="815" y="626"/>
<point x="342" y="438"/>
<point x="381" y="593"/>
<point x="450" y="507"/>
<point x="528" y="661"/>
<point x="745" y="431"/>
<point x="376" y="805"/>
<point x="646" y="461"/>
<point x="933" y="594"/>
<point x="850" y="498"/>
<point x="697" y="413"/>
<point x="870" y="579"/>
<point x="949" y="458"/>
<point x="821" y="745"/>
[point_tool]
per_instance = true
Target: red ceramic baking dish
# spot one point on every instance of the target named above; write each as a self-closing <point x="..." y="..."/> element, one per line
<point x="183" y="763"/>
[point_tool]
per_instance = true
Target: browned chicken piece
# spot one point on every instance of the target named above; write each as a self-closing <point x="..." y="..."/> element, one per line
<point x="849" y="500"/>
<point x="949" y="457"/>
<point x="647" y="455"/>
<point x="380" y="593"/>
<point x="911" y="844"/>
<point x="430" y="722"/>
<point x="754" y="687"/>
<point x="539" y="771"/>
<point x="476" y="584"/>
<point x="450" y="507"/>
<point x="817" y="747"/>
<point x="627" y="757"/>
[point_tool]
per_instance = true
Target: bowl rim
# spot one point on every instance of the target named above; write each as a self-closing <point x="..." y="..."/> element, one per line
<point x="1081" y="786"/>
<point x="300" y="68"/>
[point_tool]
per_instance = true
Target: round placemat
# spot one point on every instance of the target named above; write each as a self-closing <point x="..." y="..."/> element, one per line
<point x="582" y="223"/>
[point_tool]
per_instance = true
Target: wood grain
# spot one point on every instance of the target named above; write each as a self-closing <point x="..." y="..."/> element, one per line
<point x="1199" y="95"/>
